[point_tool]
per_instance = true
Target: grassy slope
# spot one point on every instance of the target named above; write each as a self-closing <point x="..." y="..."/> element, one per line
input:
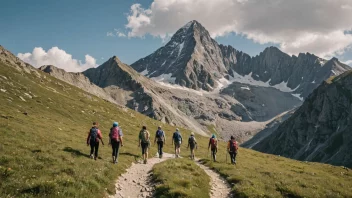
<point x="263" y="175"/>
<point x="45" y="151"/>
<point x="180" y="178"/>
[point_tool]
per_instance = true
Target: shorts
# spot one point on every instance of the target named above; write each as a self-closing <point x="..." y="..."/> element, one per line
<point x="192" y="146"/>
<point x="177" y="145"/>
<point x="145" y="147"/>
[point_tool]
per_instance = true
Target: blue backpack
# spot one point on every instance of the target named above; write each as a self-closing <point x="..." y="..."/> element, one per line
<point x="160" y="135"/>
<point x="93" y="135"/>
<point x="177" y="137"/>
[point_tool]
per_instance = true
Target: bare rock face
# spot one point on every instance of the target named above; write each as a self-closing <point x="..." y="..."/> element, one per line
<point x="10" y="59"/>
<point x="320" y="130"/>
<point x="193" y="59"/>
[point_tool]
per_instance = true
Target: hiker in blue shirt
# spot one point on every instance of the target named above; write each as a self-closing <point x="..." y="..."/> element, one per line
<point x="160" y="139"/>
<point x="177" y="140"/>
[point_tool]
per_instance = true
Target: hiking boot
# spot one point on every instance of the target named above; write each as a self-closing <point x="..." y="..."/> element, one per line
<point x="91" y="156"/>
<point x="145" y="161"/>
<point x="161" y="156"/>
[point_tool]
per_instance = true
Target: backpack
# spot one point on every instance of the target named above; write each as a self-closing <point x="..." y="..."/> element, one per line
<point x="144" y="136"/>
<point x="192" y="141"/>
<point x="114" y="134"/>
<point x="233" y="146"/>
<point x="159" y="135"/>
<point x="213" y="142"/>
<point x="93" y="134"/>
<point x="177" y="137"/>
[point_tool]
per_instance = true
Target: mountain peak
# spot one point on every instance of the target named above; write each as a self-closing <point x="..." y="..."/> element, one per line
<point x="191" y="24"/>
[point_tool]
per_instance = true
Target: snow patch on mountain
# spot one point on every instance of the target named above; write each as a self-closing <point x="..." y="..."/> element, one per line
<point x="165" y="78"/>
<point x="180" y="48"/>
<point x="246" y="88"/>
<point x="145" y="72"/>
<point x="175" y="86"/>
<point x="298" y="96"/>
<point x="248" y="79"/>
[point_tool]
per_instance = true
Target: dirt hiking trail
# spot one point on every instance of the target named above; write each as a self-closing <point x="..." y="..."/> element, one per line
<point x="136" y="181"/>
<point x="220" y="188"/>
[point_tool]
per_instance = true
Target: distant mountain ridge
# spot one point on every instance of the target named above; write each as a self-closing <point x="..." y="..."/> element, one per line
<point x="320" y="130"/>
<point x="194" y="60"/>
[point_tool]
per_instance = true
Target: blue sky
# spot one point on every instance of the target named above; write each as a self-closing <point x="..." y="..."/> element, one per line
<point x="80" y="28"/>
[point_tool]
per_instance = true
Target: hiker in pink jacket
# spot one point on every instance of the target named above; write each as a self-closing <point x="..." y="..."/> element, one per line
<point x="115" y="140"/>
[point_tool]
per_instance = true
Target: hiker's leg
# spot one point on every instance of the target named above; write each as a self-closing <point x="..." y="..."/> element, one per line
<point x="91" y="149"/>
<point x="96" y="149"/>
<point x="161" y="147"/>
<point x="143" y="151"/>
<point x="231" y="157"/>
<point x="117" y="150"/>
<point x="113" y="151"/>
<point x="146" y="153"/>
<point x="234" y="157"/>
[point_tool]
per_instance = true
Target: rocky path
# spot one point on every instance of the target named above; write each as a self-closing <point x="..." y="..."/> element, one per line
<point x="220" y="188"/>
<point x="136" y="182"/>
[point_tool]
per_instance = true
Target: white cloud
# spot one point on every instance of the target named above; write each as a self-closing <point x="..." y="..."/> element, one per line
<point x="110" y="34"/>
<point x="58" y="58"/>
<point x="117" y="33"/>
<point x="317" y="26"/>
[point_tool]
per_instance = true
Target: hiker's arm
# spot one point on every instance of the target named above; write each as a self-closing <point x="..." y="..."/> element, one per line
<point x="121" y="140"/>
<point x="121" y="136"/>
<point x="100" y="137"/>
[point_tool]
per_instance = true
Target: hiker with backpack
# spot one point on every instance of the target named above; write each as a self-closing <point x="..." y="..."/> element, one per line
<point x="213" y="144"/>
<point x="232" y="148"/>
<point x="144" y="141"/>
<point x="93" y="138"/>
<point x="160" y="139"/>
<point x="177" y="140"/>
<point x="192" y="144"/>
<point x="115" y="140"/>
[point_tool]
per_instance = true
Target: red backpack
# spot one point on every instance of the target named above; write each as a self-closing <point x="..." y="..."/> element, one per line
<point x="233" y="146"/>
<point x="213" y="142"/>
<point x="114" y="134"/>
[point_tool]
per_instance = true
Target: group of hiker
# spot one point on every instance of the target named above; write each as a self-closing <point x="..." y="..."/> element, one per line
<point x="116" y="140"/>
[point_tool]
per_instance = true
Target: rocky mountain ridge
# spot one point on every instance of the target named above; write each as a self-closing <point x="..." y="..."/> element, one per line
<point x="193" y="59"/>
<point x="319" y="130"/>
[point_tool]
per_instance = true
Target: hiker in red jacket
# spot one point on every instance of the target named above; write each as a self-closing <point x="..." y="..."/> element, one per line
<point x="213" y="144"/>
<point x="115" y="140"/>
<point x="94" y="135"/>
<point x="232" y="148"/>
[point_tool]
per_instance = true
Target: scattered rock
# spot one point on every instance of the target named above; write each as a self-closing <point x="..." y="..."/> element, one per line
<point x="2" y="90"/>
<point x="22" y="98"/>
